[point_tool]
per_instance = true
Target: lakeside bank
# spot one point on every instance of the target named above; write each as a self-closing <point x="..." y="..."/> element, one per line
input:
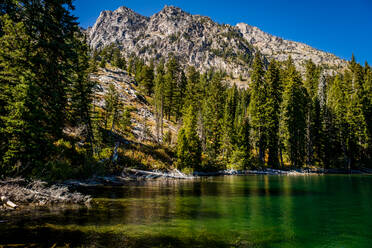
<point x="18" y="193"/>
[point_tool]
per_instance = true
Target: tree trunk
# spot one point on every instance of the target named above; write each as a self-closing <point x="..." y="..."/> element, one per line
<point x="281" y="157"/>
<point x="162" y="118"/>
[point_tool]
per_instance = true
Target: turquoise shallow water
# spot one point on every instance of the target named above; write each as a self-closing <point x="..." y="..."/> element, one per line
<point x="232" y="211"/>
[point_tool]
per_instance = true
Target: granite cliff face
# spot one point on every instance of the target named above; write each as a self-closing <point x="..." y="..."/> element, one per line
<point x="197" y="40"/>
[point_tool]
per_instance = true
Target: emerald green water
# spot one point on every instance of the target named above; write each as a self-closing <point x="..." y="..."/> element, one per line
<point x="232" y="211"/>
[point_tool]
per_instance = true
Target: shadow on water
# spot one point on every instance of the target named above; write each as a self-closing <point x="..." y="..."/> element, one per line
<point x="49" y="237"/>
<point x="195" y="188"/>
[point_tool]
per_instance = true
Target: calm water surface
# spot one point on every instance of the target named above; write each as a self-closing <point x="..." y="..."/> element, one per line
<point x="232" y="211"/>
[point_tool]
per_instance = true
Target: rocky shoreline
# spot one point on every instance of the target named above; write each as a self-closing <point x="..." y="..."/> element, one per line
<point x="293" y="172"/>
<point x="133" y="176"/>
<point x="18" y="193"/>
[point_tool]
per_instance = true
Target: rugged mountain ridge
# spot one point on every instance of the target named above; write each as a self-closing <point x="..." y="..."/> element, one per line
<point x="279" y="49"/>
<point x="195" y="40"/>
<point x="198" y="41"/>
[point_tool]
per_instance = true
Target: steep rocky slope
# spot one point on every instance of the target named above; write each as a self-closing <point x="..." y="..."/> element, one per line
<point x="198" y="41"/>
<point x="195" y="40"/>
<point x="279" y="49"/>
<point x="136" y="143"/>
<point x="142" y="116"/>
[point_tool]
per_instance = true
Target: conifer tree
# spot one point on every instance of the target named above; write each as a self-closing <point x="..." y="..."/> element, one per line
<point x="188" y="143"/>
<point x="118" y="59"/>
<point x="193" y="94"/>
<point x="293" y="116"/>
<point x="274" y="99"/>
<point x="55" y="31"/>
<point x="190" y="124"/>
<point x="125" y="120"/>
<point x="229" y="135"/>
<point x="179" y="94"/>
<point x="213" y="107"/>
<point x="16" y="101"/>
<point x="367" y="109"/>
<point x="241" y="108"/>
<point x="159" y="100"/>
<point x="171" y="78"/>
<point x="258" y="107"/>
<point x="337" y="100"/>
<point x="50" y="71"/>
<point x="242" y="152"/>
<point x="183" y="156"/>
<point x="354" y="78"/>
<point x="138" y="64"/>
<point x="146" y="78"/>
<point x="93" y="63"/>
<point x="80" y="91"/>
<point x="313" y="119"/>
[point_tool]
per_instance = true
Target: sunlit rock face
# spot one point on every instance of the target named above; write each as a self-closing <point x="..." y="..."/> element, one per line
<point x="280" y="49"/>
<point x="198" y="41"/>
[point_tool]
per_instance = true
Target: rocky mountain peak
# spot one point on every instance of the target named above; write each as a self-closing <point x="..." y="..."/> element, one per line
<point x="124" y="10"/>
<point x="171" y="10"/>
<point x="198" y="41"/>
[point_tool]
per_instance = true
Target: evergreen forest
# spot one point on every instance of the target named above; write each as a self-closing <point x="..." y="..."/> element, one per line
<point x="284" y="118"/>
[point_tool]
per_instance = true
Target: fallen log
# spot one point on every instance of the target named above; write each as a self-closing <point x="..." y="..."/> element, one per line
<point x="179" y="173"/>
<point x="8" y="203"/>
<point x="152" y="174"/>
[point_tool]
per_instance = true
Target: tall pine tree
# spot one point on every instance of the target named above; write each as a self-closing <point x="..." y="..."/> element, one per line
<point x="293" y="115"/>
<point x="188" y="143"/>
<point x="274" y="99"/>
<point x="258" y="107"/>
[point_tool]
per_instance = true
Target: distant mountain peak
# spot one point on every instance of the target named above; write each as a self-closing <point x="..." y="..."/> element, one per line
<point x="124" y="9"/>
<point x="171" y="8"/>
<point x="198" y="41"/>
<point x="171" y="12"/>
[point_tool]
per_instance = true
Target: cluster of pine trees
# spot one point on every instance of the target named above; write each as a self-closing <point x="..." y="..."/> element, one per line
<point x="44" y="86"/>
<point x="109" y="54"/>
<point x="284" y="118"/>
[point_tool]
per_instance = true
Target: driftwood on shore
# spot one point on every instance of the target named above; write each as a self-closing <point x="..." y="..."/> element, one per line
<point x="128" y="176"/>
<point x="175" y="174"/>
<point x="14" y="192"/>
<point x="7" y="203"/>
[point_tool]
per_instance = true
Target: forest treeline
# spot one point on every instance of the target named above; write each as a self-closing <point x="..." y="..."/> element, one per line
<point x="284" y="118"/>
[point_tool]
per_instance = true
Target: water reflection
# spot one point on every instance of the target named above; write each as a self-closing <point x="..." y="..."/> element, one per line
<point x="246" y="211"/>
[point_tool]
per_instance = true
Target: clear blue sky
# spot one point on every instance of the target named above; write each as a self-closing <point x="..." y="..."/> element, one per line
<point x="341" y="27"/>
